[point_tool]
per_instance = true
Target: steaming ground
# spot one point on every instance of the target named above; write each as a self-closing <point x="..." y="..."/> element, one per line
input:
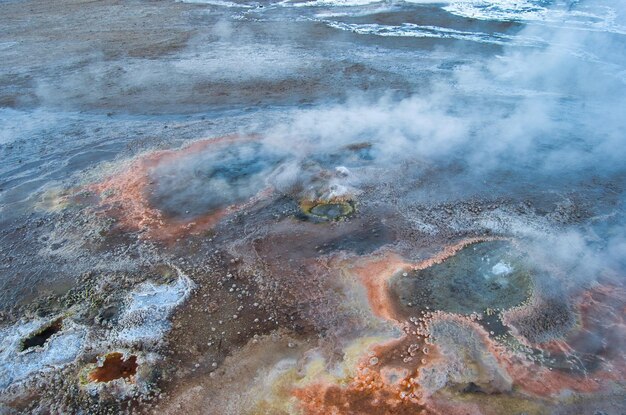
<point x="312" y="207"/>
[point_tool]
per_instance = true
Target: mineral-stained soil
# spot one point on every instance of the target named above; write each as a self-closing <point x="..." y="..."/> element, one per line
<point x="312" y="207"/>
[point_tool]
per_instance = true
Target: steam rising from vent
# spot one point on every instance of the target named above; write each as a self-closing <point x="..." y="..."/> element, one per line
<point x="173" y="192"/>
<point x="222" y="176"/>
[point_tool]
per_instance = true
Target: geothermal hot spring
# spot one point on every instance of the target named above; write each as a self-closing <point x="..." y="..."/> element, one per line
<point x="324" y="207"/>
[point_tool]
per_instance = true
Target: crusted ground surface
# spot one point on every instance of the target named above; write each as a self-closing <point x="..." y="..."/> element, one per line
<point x="326" y="207"/>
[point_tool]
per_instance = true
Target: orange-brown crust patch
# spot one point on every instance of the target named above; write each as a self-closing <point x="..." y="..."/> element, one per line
<point x="125" y="195"/>
<point x="385" y="383"/>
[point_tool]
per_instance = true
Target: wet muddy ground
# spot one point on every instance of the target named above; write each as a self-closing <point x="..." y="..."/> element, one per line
<point x="327" y="207"/>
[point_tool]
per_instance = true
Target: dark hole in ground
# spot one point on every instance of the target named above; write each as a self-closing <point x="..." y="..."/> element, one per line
<point x="332" y="211"/>
<point x="322" y="211"/>
<point x="108" y="315"/>
<point x="40" y="337"/>
<point x="114" y="367"/>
